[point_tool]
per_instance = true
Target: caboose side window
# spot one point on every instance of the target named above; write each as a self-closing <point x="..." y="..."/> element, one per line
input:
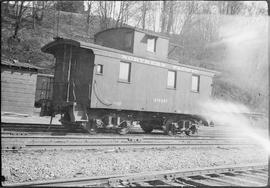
<point x="124" y="72"/>
<point x="99" y="69"/>
<point x="195" y="83"/>
<point x="171" y="82"/>
<point x="151" y="44"/>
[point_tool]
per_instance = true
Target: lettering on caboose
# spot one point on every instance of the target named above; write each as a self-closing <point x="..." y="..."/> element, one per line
<point x="159" y="64"/>
<point x="160" y="100"/>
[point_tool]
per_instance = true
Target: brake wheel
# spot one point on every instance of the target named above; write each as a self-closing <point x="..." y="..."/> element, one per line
<point x="146" y="126"/>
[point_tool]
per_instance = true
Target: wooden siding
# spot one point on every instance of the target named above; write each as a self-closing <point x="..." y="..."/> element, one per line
<point x="81" y="70"/>
<point x="140" y="47"/>
<point x="82" y="75"/>
<point x="118" y="39"/>
<point x="147" y="90"/>
<point x="17" y="90"/>
<point x="60" y="74"/>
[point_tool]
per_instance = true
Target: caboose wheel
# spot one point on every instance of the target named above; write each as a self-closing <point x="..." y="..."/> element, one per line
<point x="187" y="132"/>
<point x="90" y="126"/>
<point x="170" y="128"/>
<point x="146" y="126"/>
<point x="124" y="127"/>
<point x="193" y="129"/>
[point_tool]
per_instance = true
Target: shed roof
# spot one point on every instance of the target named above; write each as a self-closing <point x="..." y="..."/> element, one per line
<point x="15" y="63"/>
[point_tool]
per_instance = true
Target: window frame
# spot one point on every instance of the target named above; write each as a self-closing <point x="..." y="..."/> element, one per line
<point x="102" y="69"/>
<point x="198" y="83"/>
<point x="129" y="73"/>
<point x="175" y="79"/>
<point x="155" y="44"/>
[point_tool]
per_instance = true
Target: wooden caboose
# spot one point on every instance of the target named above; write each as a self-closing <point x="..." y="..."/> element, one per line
<point x="125" y="76"/>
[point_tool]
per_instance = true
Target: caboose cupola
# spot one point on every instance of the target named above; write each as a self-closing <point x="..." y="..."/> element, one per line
<point x="136" y="41"/>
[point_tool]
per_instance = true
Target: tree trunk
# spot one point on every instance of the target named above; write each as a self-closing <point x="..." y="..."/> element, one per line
<point x="19" y="12"/>
<point x="88" y="16"/>
<point x="119" y="14"/>
<point x="6" y="7"/>
<point x="144" y="9"/>
<point x="33" y="15"/>
<point x="126" y="13"/>
<point x="40" y="18"/>
<point x="163" y="16"/>
<point x="123" y="14"/>
<point x="170" y="19"/>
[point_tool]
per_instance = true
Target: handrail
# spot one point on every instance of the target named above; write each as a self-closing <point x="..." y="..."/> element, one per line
<point x="89" y="89"/>
<point x="96" y="94"/>
<point x="74" y="96"/>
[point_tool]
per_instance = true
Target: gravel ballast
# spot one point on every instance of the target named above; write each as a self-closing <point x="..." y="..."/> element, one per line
<point x="44" y="165"/>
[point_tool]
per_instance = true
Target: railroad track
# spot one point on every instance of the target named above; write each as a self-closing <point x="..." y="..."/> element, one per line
<point x="13" y="138"/>
<point x="36" y="128"/>
<point x="54" y="129"/>
<point x="244" y="175"/>
<point x="42" y="142"/>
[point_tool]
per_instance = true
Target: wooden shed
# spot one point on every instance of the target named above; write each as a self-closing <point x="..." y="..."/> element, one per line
<point x="18" y="87"/>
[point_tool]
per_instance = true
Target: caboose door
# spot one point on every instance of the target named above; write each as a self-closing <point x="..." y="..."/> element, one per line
<point x="81" y="76"/>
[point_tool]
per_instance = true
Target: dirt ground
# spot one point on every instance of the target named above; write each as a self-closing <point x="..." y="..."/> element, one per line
<point x="44" y="165"/>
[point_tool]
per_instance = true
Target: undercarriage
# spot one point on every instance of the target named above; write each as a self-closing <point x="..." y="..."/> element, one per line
<point x="121" y="121"/>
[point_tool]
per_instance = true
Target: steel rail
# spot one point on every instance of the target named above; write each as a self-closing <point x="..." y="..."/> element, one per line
<point x="36" y="128"/>
<point x="113" y="137"/>
<point x="62" y="142"/>
<point x="170" y="176"/>
<point x="134" y="134"/>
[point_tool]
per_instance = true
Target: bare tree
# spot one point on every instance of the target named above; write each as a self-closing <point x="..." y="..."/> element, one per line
<point x="20" y="9"/>
<point x="230" y="7"/>
<point x="191" y="8"/>
<point x="88" y="15"/>
<point x="126" y="12"/>
<point x="38" y="10"/>
<point x="164" y="15"/>
<point x="105" y="10"/>
<point x="5" y="7"/>
<point x="120" y="14"/>
<point x="144" y="9"/>
<point x="171" y="16"/>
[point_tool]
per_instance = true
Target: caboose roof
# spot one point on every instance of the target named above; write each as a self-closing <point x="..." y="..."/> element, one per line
<point x="147" y="32"/>
<point x="114" y="53"/>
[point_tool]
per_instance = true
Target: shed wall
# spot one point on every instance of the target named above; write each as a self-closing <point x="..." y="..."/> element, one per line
<point x="17" y="90"/>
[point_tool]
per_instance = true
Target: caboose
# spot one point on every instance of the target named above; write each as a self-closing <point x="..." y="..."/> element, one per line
<point x="126" y="76"/>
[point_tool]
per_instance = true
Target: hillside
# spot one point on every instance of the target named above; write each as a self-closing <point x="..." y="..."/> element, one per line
<point x="244" y="68"/>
